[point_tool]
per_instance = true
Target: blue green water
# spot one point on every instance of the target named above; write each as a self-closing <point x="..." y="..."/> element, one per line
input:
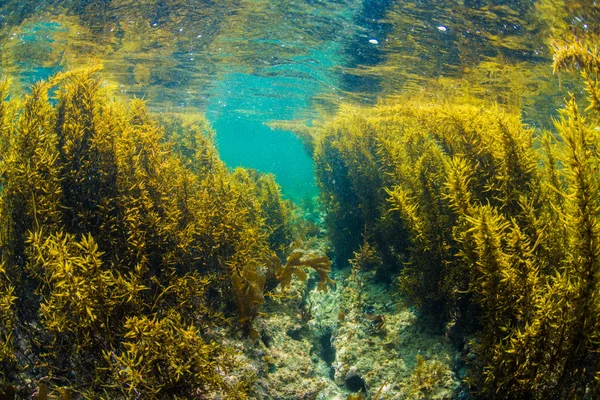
<point x="244" y="64"/>
<point x="245" y="103"/>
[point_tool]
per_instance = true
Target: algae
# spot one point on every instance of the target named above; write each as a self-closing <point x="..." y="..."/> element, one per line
<point x="465" y="249"/>
<point x="122" y="246"/>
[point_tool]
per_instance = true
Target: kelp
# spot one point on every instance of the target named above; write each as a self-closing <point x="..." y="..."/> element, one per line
<point x="166" y="356"/>
<point x="7" y="320"/>
<point x="426" y="378"/>
<point x="495" y="234"/>
<point x="125" y="243"/>
<point x="394" y="162"/>
<point x="301" y="258"/>
<point x="255" y="281"/>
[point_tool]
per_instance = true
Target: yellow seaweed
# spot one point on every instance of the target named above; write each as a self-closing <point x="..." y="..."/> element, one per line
<point x="122" y="224"/>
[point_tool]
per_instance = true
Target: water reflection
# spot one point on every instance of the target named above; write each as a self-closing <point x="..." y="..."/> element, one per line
<point x="260" y="60"/>
<point x="173" y="52"/>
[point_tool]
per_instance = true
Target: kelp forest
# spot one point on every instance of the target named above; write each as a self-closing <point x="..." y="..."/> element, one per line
<point x="451" y="249"/>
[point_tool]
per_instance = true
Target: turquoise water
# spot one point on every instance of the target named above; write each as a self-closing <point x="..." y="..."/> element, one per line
<point x="184" y="58"/>
<point x="245" y="103"/>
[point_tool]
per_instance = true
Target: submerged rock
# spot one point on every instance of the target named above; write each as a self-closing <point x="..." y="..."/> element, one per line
<point x="328" y="357"/>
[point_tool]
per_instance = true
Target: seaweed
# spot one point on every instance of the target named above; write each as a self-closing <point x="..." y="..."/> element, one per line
<point x="124" y="244"/>
<point x="493" y="233"/>
<point x="303" y="258"/>
<point x="426" y="378"/>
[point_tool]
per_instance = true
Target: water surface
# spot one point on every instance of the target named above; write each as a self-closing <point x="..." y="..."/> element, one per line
<point x="246" y="63"/>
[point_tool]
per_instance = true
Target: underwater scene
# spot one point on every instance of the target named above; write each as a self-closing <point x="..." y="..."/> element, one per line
<point x="299" y="199"/>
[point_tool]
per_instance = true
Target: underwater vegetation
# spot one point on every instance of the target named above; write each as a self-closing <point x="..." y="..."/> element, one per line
<point x="135" y="264"/>
<point x="492" y="227"/>
<point x="125" y="247"/>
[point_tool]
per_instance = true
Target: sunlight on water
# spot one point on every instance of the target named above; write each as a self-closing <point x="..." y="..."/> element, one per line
<point x="245" y="64"/>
